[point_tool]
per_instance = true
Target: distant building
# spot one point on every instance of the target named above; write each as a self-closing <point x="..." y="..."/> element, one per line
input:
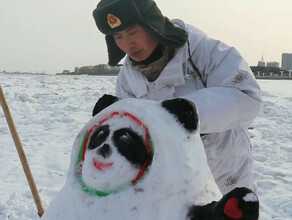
<point x="101" y="69"/>
<point x="84" y="70"/>
<point x="262" y="62"/>
<point x="265" y="72"/>
<point x="273" y="64"/>
<point x="286" y="61"/>
<point x="66" y="71"/>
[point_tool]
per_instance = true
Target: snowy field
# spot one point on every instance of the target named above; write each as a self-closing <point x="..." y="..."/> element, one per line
<point x="49" y="110"/>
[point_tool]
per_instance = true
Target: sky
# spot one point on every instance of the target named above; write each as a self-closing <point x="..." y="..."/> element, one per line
<point x="55" y="35"/>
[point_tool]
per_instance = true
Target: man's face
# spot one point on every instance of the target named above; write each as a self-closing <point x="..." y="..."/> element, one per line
<point x="136" y="42"/>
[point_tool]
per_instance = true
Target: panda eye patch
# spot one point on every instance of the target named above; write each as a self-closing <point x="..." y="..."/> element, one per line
<point x="130" y="145"/>
<point x="126" y="138"/>
<point x="98" y="137"/>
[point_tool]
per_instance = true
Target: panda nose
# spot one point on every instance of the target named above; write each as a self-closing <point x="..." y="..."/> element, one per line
<point x="104" y="151"/>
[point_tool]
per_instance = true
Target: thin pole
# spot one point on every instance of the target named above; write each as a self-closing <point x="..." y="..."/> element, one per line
<point x="21" y="153"/>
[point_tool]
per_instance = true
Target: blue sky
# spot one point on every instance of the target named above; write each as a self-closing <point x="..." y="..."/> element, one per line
<point x="53" y="35"/>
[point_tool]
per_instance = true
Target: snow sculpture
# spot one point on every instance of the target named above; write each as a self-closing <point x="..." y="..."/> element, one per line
<point x="141" y="159"/>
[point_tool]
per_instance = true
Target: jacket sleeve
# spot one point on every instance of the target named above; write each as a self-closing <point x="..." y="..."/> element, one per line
<point x="232" y="97"/>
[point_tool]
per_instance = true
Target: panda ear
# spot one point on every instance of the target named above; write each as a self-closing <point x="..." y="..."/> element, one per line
<point x="103" y="102"/>
<point x="185" y="112"/>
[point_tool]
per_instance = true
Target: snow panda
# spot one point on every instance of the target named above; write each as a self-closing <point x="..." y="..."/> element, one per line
<point x="142" y="159"/>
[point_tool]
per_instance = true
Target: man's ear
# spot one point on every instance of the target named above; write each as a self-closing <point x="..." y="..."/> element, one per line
<point x="103" y="102"/>
<point x="185" y="112"/>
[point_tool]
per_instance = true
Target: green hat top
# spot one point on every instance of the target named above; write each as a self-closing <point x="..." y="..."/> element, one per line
<point x="113" y="16"/>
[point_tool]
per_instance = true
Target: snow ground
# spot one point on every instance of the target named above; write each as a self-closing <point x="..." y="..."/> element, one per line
<point x="49" y="110"/>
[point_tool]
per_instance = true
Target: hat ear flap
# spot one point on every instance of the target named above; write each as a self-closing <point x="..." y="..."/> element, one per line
<point x="115" y="54"/>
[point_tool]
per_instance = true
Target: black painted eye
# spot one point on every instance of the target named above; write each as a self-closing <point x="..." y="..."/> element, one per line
<point x="98" y="137"/>
<point x="130" y="145"/>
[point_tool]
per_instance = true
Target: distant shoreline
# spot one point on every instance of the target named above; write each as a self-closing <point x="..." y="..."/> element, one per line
<point x="60" y="74"/>
<point x="274" y="78"/>
<point x="89" y="74"/>
<point x="272" y="73"/>
<point x="115" y="73"/>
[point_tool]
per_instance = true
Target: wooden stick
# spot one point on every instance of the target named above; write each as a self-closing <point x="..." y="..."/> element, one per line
<point x="21" y="153"/>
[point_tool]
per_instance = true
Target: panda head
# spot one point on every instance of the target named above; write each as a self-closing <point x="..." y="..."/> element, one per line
<point x="117" y="149"/>
<point x="115" y="154"/>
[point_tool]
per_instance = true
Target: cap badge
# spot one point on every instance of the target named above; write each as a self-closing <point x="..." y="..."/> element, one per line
<point x="113" y="21"/>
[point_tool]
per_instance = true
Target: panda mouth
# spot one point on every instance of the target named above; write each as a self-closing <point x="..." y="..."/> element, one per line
<point x="101" y="166"/>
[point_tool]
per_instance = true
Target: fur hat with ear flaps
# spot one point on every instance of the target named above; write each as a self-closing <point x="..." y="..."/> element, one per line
<point x="113" y="16"/>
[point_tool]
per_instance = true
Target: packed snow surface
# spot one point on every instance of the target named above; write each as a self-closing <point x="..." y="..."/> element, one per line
<point x="50" y="110"/>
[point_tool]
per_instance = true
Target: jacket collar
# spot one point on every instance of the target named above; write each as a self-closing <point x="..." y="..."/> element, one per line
<point x="172" y="75"/>
<point x="173" y="72"/>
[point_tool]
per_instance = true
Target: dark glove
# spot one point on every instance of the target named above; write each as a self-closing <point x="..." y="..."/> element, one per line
<point x="233" y="205"/>
<point x="103" y="102"/>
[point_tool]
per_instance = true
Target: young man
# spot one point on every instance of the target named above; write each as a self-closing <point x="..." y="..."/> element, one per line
<point x="169" y="59"/>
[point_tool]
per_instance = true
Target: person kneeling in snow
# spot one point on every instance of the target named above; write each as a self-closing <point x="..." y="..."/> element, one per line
<point x="169" y="59"/>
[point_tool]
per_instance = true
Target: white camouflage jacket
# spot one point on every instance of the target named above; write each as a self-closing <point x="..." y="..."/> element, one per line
<point x="228" y="104"/>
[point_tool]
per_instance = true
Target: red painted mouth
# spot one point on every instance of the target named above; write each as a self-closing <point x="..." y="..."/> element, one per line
<point x="100" y="166"/>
